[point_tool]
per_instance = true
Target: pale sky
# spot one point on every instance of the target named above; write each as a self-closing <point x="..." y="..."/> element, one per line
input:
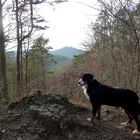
<point x="69" y="22"/>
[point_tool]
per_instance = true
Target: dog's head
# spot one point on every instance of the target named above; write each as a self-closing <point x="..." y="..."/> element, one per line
<point x="85" y="79"/>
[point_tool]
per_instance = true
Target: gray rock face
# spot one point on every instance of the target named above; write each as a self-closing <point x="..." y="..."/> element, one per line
<point x="54" y="112"/>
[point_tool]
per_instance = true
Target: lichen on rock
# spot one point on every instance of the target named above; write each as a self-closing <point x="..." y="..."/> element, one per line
<point x="53" y="112"/>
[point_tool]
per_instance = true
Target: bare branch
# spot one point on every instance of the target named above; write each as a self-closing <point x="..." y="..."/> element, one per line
<point x="4" y="2"/>
<point x="114" y="14"/>
<point x="31" y="18"/>
<point x="88" y="5"/>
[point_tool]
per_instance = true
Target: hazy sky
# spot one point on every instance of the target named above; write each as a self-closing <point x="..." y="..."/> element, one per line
<point x="68" y="22"/>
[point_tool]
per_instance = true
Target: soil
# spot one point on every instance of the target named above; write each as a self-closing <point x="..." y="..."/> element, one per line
<point x="52" y="117"/>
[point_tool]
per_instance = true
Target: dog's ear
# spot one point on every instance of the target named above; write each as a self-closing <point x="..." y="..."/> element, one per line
<point x="92" y="76"/>
<point x="89" y="75"/>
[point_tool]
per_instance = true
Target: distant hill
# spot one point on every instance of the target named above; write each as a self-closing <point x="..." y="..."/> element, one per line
<point x="61" y="56"/>
<point x="68" y="52"/>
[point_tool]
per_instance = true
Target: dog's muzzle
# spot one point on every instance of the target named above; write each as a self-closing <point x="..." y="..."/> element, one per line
<point x="81" y="82"/>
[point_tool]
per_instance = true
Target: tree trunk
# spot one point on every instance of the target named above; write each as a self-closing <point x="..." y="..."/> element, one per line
<point x="4" y="87"/>
<point x="19" y="43"/>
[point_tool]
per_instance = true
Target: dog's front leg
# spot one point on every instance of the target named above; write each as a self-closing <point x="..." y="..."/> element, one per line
<point x="95" y="112"/>
<point x="98" y="114"/>
<point x="95" y="108"/>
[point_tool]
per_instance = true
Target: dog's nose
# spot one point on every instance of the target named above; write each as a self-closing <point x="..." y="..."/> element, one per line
<point x="80" y="82"/>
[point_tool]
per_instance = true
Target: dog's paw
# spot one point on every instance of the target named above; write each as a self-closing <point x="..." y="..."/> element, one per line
<point x="136" y="132"/>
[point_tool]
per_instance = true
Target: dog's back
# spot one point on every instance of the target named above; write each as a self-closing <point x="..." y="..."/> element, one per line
<point x="107" y="95"/>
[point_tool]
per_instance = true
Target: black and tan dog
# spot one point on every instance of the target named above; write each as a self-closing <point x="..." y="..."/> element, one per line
<point x="100" y="94"/>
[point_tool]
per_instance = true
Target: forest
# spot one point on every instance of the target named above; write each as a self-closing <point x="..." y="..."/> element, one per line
<point x="111" y="53"/>
<point x="112" y="50"/>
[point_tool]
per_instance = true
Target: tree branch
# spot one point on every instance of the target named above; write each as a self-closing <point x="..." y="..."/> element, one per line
<point x="31" y="18"/>
<point x="4" y="2"/>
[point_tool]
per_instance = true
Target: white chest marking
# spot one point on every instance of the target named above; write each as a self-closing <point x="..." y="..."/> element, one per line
<point x="84" y="87"/>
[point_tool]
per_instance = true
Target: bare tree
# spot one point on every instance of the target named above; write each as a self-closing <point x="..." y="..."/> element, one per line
<point x="26" y="24"/>
<point x="3" y="78"/>
<point x="22" y="9"/>
<point x="126" y="15"/>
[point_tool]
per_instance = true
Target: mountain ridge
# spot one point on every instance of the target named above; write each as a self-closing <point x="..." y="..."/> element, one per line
<point x="67" y="51"/>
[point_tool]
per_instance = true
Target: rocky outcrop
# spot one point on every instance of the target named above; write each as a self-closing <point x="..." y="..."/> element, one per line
<point x="51" y="111"/>
<point x="51" y="116"/>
